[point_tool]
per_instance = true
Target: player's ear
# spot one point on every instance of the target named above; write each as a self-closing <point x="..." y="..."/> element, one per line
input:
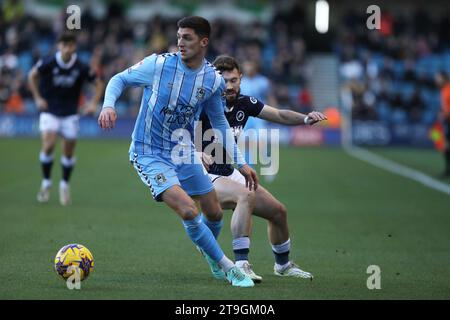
<point x="204" y="42"/>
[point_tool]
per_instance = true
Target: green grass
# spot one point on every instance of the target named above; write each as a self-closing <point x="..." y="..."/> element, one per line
<point x="344" y="215"/>
<point x="428" y="161"/>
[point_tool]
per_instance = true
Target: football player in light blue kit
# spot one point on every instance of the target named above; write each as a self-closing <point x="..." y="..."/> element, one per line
<point x="177" y="87"/>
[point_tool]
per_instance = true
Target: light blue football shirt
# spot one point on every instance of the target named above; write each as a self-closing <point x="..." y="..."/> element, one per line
<point x="173" y="98"/>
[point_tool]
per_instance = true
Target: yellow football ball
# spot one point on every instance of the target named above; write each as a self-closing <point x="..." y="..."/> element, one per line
<point x="75" y="255"/>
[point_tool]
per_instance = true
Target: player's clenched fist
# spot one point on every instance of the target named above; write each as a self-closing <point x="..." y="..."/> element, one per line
<point x="314" y="117"/>
<point x="107" y="118"/>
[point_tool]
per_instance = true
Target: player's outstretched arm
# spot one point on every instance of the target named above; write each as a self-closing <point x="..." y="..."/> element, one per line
<point x="290" y="118"/>
<point x="141" y="74"/>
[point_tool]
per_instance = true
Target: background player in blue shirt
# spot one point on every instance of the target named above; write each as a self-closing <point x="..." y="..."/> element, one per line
<point x="56" y="83"/>
<point x="229" y="183"/>
<point x="177" y="87"/>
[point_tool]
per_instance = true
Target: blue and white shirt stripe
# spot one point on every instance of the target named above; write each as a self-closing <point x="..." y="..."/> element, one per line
<point x="173" y="98"/>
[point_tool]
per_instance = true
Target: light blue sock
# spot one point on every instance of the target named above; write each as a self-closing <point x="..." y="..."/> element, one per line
<point x="214" y="226"/>
<point x="200" y="234"/>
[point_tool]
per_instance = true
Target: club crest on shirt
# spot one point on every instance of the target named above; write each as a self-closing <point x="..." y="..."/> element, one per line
<point x="240" y="115"/>
<point x="160" y="179"/>
<point x="200" y="93"/>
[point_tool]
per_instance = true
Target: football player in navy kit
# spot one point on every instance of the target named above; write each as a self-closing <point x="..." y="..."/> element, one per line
<point x="230" y="185"/>
<point x="56" y="83"/>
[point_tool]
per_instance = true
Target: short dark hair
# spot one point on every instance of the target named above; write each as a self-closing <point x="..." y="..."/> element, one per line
<point x="226" y="63"/>
<point x="67" y="37"/>
<point x="200" y="25"/>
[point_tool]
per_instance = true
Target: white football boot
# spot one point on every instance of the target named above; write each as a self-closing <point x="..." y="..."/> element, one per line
<point x="44" y="192"/>
<point x="246" y="268"/>
<point x="64" y="194"/>
<point x="292" y="270"/>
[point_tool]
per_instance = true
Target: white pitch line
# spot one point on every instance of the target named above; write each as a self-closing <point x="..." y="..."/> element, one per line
<point x="398" y="169"/>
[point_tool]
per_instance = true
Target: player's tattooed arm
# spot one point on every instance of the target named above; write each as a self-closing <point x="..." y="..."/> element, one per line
<point x="288" y="117"/>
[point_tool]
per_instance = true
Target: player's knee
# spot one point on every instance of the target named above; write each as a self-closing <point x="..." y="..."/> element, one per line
<point x="247" y="197"/>
<point x="214" y="213"/>
<point x="187" y="211"/>
<point x="280" y="212"/>
<point x="48" y="148"/>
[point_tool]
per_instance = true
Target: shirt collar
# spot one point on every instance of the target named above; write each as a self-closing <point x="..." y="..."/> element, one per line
<point x="64" y="65"/>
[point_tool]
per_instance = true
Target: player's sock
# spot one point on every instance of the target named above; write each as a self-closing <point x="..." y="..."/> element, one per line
<point x="241" y="248"/>
<point x="46" y="164"/>
<point x="46" y="183"/>
<point x="67" y="167"/>
<point x="63" y="184"/>
<point x="214" y="226"/>
<point x="200" y="234"/>
<point x="281" y="252"/>
<point x="226" y="263"/>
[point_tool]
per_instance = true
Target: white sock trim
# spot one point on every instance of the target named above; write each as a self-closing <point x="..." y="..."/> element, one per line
<point x="45" y="158"/>
<point x="226" y="264"/>
<point x="283" y="247"/>
<point x="46" y="183"/>
<point x="63" y="184"/>
<point x="241" y="243"/>
<point x="68" y="162"/>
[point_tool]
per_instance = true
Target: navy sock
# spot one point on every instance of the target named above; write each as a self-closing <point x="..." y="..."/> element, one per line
<point x="281" y="252"/>
<point x="46" y="169"/>
<point x="281" y="258"/>
<point x="241" y="248"/>
<point x="46" y="164"/>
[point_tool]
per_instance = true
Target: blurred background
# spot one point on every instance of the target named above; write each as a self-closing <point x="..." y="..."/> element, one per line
<point x="384" y="79"/>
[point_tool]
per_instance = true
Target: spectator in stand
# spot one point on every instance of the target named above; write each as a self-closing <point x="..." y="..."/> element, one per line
<point x="443" y="81"/>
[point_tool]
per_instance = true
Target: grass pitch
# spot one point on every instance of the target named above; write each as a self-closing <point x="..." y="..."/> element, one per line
<point x="344" y="215"/>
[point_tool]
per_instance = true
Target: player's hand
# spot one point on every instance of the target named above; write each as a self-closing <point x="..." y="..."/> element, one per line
<point x="207" y="160"/>
<point x="41" y="103"/>
<point x="107" y="118"/>
<point x="90" y="109"/>
<point x="315" y="116"/>
<point x="251" y="179"/>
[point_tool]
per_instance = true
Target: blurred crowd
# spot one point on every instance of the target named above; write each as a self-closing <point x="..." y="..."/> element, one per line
<point x="389" y="74"/>
<point x="113" y="43"/>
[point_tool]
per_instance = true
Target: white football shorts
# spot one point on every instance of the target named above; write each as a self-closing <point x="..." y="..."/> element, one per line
<point x="235" y="176"/>
<point x="67" y="126"/>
